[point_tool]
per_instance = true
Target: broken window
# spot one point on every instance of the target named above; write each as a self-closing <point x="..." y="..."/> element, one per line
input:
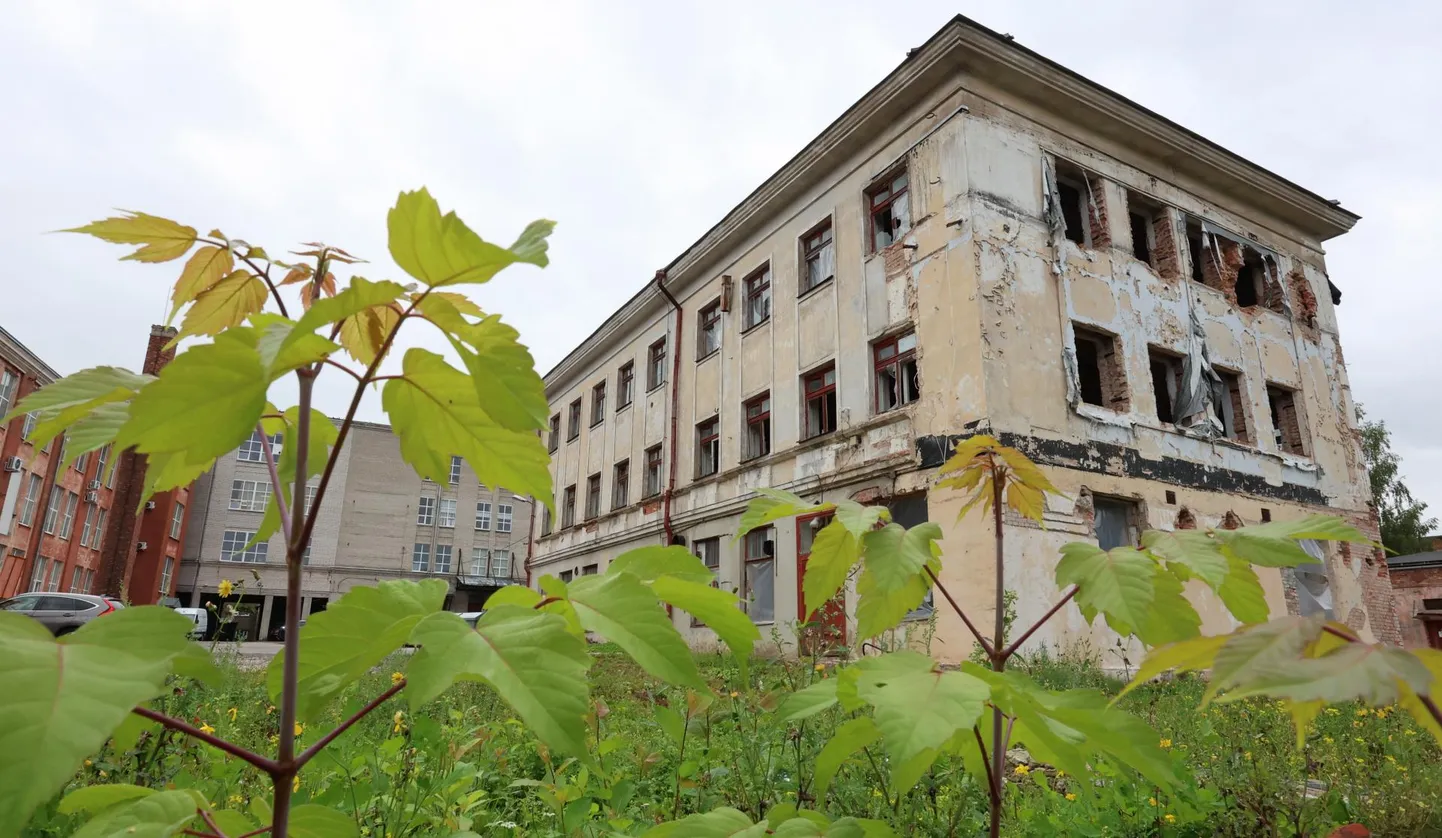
<point x="573" y="421"/>
<point x="1079" y="193"/>
<point x="653" y="471"/>
<point x="1286" y="424"/>
<point x="1196" y="249"/>
<point x="818" y="257"/>
<point x="1152" y="238"/>
<point x="760" y="575"/>
<point x="1314" y="590"/>
<point x="1101" y="373"/>
<point x="598" y="404"/>
<point x="820" y="394"/>
<point x="897" y="383"/>
<point x="1141" y="236"/>
<point x="1231" y="407"/>
<point x="758" y="426"/>
<point x="758" y="297"/>
<point x="889" y="209"/>
<point x="593" y="496"/>
<point x="568" y="507"/>
<point x="656" y="364"/>
<point x="708" y="330"/>
<point x="554" y="440"/>
<point x="1071" y="210"/>
<point x="1251" y="278"/>
<point x="1115" y="522"/>
<point x="1166" y="381"/>
<point x="708" y="447"/>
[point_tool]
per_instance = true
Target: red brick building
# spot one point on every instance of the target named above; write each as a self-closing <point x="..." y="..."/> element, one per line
<point x="75" y="530"/>
<point x="1417" y="587"/>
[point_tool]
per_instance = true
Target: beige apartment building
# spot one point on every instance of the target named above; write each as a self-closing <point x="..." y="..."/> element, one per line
<point x="985" y="242"/>
<point x="378" y="521"/>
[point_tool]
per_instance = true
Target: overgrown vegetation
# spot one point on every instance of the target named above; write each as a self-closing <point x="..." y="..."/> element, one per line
<point x="1404" y="521"/>
<point x="925" y="735"/>
<point x="465" y="763"/>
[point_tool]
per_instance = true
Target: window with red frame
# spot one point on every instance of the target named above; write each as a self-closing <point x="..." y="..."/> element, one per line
<point x="760" y="575"/>
<point x="656" y="364"/>
<point x="897" y="383"/>
<point x="758" y="426"/>
<point x="889" y="208"/>
<point x="818" y="257"/>
<point x="708" y="447"/>
<point x="708" y="330"/>
<point x="757" y="287"/>
<point x="819" y="389"/>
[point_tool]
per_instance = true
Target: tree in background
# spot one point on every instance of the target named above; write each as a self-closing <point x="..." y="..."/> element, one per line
<point x="1405" y="525"/>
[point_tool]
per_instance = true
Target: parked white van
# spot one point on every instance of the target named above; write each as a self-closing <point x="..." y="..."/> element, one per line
<point x="199" y="616"/>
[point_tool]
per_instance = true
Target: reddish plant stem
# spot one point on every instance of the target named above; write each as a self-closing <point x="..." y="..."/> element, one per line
<point x="309" y="753"/>
<point x="266" y="765"/>
<point x="274" y="481"/>
<point x="343" y="368"/>
<point x="210" y="822"/>
<point x="986" y="647"/>
<point x="998" y="752"/>
<point x="993" y="792"/>
<point x="547" y="601"/>
<point x="1016" y="644"/>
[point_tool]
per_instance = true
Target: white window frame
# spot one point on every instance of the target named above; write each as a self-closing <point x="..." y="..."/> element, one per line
<point x="480" y="561"/>
<point x="420" y="557"/>
<point x="483" y="515"/>
<point x="232" y="544"/>
<point x="177" y="520"/>
<point x="505" y="516"/>
<point x="446" y="513"/>
<point x="426" y="511"/>
<point x="455" y="470"/>
<point x="251" y="451"/>
<point x="501" y="564"/>
<point x="441" y="561"/>
<point x="249" y="495"/>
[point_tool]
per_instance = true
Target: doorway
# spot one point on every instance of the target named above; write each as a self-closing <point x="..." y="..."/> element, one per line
<point x="825" y="629"/>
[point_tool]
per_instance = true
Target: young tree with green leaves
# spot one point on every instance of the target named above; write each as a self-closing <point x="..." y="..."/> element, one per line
<point x="65" y="698"/>
<point x="1404" y="522"/>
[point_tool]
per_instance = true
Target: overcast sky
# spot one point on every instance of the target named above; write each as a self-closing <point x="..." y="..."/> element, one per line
<point x="637" y="126"/>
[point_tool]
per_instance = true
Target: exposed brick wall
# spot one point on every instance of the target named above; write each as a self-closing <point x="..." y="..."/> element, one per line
<point x="1166" y="260"/>
<point x="1410" y="587"/>
<point x="1115" y="390"/>
<point x="1097" y="213"/>
<point x="1304" y="302"/>
<point x="1239" y="410"/>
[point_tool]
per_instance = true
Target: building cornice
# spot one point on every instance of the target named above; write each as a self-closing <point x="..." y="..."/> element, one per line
<point x="964" y="46"/>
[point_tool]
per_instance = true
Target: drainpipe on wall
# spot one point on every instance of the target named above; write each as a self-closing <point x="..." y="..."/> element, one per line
<point x="675" y="409"/>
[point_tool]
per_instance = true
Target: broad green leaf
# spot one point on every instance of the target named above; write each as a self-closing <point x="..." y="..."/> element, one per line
<point x="719" y="823"/>
<point x="235" y="824"/>
<point x="88" y="406"/>
<point x="127" y="736"/>
<point x="783" y="812"/>
<point x="1113" y="732"/>
<point x="917" y="705"/>
<point x="895" y="555"/>
<point x="796" y="828"/>
<point x="1257" y="650"/>
<point x="1411" y="700"/>
<point x="834" y="552"/>
<point x="1241" y="591"/>
<point x="95" y="799"/>
<point x="282" y="350"/>
<point x="1118" y="583"/>
<point x="206" y="267"/>
<point x="808" y="701"/>
<point x="1356" y="671"/>
<point x="651" y="563"/>
<point x="342" y="643"/>
<point x="441" y="250"/>
<point x="1197" y="550"/>
<point x="851" y="737"/>
<point x="905" y="775"/>
<point x="879" y="610"/>
<point x="160" y="239"/>
<point x="859" y="828"/>
<point x="501" y="366"/>
<point x="159" y="815"/>
<point x="311" y="820"/>
<point x="670" y="722"/>
<point x="528" y="657"/>
<point x="434" y="410"/>
<point x="513" y="595"/>
<point x="624" y="611"/>
<point x="772" y="505"/>
<point x="1171" y="617"/>
<point x="1275" y="544"/>
<point x="718" y="609"/>
<point x="364" y="334"/>
<point x="321" y="438"/>
<point x="205" y="403"/>
<point x="169" y="470"/>
<point x="1191" y="655"/>
<point x="359" y="295"/>
<point x="859" y="519"/>
<point x="64" y="698"/>
<point x="226" y="303"/>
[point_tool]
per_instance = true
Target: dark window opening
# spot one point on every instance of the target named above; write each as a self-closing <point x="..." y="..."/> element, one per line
<point x="1231" y="407"/>
<point x="653" y="471"/>
<point x="708" y="330"/>
<point x="568" y="508"/>
<point x="1286" y="424"/>
<point x="621" y="484"/>
<point x="1072" y="212"/>
<point x="573" y="421"/>
<point x="1196" y="249"/>
<point x="656" y="364"/>
<point x="818" y="257"/>
<point x="593" y="496"/>
<point x="598" y="404"/>
<point x="708" y="447"/>
<point x="554" y="440"/>
<point x="625" y="384"/>
<point x="820" y="394"/>
<point x="1431" y="604"/>
<point x="758" y="426"/>
<point x="1166" y="379"/>
<point x="897" y="382"/>
<point x="757" y="288"/>
<point x="1115" y="522"/>
<point x="1251" y="278"/>
<point x="889" y="210"/>
<point x="1141" y="237"/>
<point x="1101" y="372"/>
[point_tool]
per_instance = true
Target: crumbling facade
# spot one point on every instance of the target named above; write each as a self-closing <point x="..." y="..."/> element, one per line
<point x="986" y="242"/>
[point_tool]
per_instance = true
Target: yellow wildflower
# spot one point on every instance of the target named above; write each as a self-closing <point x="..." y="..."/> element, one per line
<point x="1327" y="739"/>
<point x="270" y="709"/>
<point x="1165" y="744"/>
<point x="1022" y="771"/>
<point x="1360" y="761"/>
<point x="299" y="728"/>
<point x="1070" y="796"/>
<point x="88" y="763"/>
<point x="735" y="694"/>
<point x="400" y="722"/>
<point x="296" y="785"/>
<point x="231" y="711"/>
<point x="1169" y="818"/>
<point x="820" y="667"/>
<point x="236" y="800"/>
<point x="205" y="728"/>
<point x="1332" y="711"/>
<point x="396" y="678"/>
<point x="1362" y="712"/>
<point x="226" y="588"/>
<point x="1246" y="755"/>
<point x="1151" y="801"/>
<point x="1391" y="758"/>
<point x="1356" y="724"/>
<point x="1060" y="774"/>
<point x="102" y="773"/>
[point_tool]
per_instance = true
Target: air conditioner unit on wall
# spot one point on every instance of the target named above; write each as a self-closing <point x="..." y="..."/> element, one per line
<point x="13" y="463"/>
<point x="92" y="497"/>
<point x="93" y="485"/>
<point x="140" y="546"/>
<point x="150" y="504"/>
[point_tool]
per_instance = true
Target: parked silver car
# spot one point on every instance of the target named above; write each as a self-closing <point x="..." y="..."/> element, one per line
<point x="61" y="613"/>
